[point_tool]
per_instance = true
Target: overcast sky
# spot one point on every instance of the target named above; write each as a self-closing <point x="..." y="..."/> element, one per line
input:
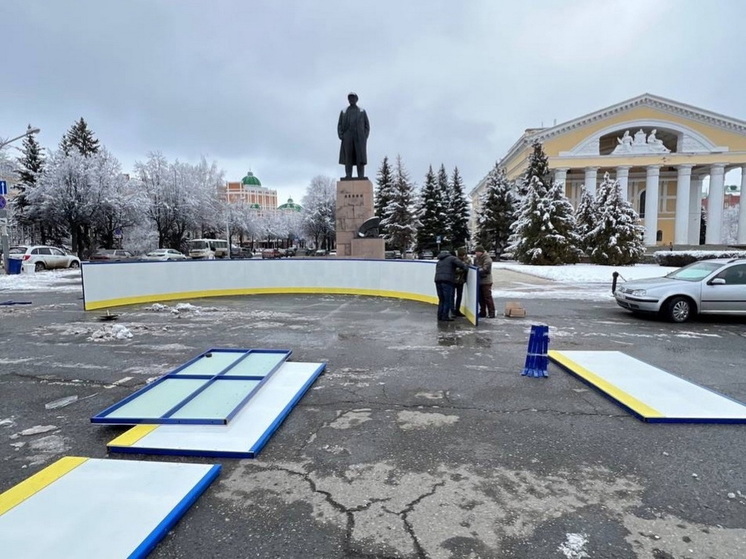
<point x="258" y="84"/>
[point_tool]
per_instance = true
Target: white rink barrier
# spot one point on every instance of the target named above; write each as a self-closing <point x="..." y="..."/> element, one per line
<point x="126" y="283"/>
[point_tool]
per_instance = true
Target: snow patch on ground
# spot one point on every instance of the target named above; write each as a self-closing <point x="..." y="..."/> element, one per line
<point x="37" y="430"/>
<point x="56" y="280"/>
<point x="573" y="546"/>
<point x="109" y="333"/>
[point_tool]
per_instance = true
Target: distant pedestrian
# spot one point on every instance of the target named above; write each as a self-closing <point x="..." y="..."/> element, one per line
<point x="445" y="277"/>
<point x="460" y="281"/>
<point x="483" y="262"/>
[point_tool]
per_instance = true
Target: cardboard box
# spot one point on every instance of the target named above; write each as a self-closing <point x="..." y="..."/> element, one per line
<point x="514" y="310"/>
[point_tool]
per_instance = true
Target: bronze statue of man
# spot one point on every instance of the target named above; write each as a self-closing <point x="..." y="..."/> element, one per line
<point x="353" y="129"/>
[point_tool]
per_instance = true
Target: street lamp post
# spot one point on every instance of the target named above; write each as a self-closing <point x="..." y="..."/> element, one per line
<point x="4" y="212"/>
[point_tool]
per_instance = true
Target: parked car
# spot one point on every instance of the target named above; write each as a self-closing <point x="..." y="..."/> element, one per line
<point x="320" y="252"/>
<point x="706" y="287"/>
<point x="111" y="255"/>
<point x="271" y="253"/>
<point x="244" y="252"/>
<point x="164" y="255"/>
<point x="426" y="255"/>
<point x="44" y="257"/>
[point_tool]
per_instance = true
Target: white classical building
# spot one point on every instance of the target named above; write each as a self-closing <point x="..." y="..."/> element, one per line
<point x="659" y="150"/>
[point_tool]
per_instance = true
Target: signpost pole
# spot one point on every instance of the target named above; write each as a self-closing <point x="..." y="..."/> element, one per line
<point x="4" y="236"/>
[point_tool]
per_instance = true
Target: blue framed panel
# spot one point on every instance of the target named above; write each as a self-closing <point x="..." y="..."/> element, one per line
<point x="209" y="389"/>
<point x="244" y="437"/>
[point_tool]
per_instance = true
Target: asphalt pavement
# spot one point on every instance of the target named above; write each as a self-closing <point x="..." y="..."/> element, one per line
<point x="421" y="439"/>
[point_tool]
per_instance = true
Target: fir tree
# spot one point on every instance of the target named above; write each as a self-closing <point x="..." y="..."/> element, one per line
<point x="444" y="187"/>
<point x="586" y="216"/>
<point x="431" y="212"/>
<point x="617" y="238"/>
<point x="544" y="233"/>
<point x="30" y="164"/>
<point x="384" y="186"/>
<point x="400" y="221"/>
<point x="80" y="138"/>
<point x="496" y="212"/>
<point x="457" y="212"/>
<point x="538" y="166"/>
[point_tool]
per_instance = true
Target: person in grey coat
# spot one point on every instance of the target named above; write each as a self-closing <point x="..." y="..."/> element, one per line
<point x="353" y="129"/>
<point x="445" y="278"/>
<point x="483" y="262"/>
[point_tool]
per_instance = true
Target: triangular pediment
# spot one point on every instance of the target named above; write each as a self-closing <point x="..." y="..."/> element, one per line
<point x="646" y="100"/>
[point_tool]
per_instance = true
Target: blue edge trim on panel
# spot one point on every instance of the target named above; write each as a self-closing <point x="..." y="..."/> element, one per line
<point x="160" y="531"/>
<point x="250" y="453"/>
<point x="652" y="419"/>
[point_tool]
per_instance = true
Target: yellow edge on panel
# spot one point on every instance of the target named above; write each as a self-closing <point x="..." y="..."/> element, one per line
<point x="131" y="436"/>
<point x="29" y="487"/>
<point x="626" y="399"/>
<point x="93" y="305"/>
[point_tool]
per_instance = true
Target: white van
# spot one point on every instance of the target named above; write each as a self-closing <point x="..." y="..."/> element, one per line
<point x="208" y="248"/>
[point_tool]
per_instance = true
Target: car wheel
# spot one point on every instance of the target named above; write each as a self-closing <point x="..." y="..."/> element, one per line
<point x="39" y="267"/>
<point x="679" y="309"/>
<point x="75" y="264"/>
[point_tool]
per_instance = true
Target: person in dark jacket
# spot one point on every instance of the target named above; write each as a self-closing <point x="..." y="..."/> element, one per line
<point x="460" y="281"/>
<point x="483" y="262"/>
<point x="445" y="277"/>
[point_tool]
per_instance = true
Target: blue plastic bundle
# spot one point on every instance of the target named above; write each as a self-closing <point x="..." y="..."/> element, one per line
<point x="536" y="358"/>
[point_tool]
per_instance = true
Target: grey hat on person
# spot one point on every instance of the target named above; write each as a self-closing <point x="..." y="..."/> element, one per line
<point x="479" y="248"/>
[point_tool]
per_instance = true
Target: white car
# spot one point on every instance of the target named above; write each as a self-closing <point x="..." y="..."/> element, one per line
<point x="44" y="257"/>
<point x="164" y="255"/>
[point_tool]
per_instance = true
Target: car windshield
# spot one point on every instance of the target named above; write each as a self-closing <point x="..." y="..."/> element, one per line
<point x="695" y="272"/>
<point x="198" y="245"/>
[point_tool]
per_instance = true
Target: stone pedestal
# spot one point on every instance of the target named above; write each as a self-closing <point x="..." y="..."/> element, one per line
<point x="354" y="206"/>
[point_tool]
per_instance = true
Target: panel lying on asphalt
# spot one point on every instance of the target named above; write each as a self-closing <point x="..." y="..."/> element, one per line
<point x="81" y="507"/>
<point x="647" y="392"/>
<point x="209" y="389"/>
<point x="246" y="433"/>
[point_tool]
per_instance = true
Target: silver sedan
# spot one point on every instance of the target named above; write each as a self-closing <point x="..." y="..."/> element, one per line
<point x="164" y="255"/>
<point x="704" y="287"/>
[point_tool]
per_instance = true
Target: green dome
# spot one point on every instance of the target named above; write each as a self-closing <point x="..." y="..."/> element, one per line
<point x="290" y="205"/>
<point x="250" y="180"/>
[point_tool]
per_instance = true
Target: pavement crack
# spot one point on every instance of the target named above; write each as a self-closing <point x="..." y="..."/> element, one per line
<point x="404" y="514"/>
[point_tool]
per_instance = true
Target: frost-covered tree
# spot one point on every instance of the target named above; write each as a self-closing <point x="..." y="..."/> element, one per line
<point x="617" y="238"/>
<point x="538" y="166"/>
<point x="431" y="213"/>
<point x="457" y="211"/>
<point x="319" y="211"/>
<point x="73" y="191"/>
<point x="544" y="233"/>
<point x="30" y="166"/>
<point x="384" y="186"/>
<point x="586" y="216"/>
<point x="400" y="218"/>
<point x="496" y="212"/>
<point x="79" y="137"/>
<point x="730" y="225"/>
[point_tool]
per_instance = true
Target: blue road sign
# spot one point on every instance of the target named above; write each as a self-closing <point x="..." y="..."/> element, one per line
<point x="2" y="202"/>
<point x="3" y="188"/>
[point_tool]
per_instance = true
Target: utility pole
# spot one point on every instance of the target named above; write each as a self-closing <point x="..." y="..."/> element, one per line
<point x="3" y="211"/>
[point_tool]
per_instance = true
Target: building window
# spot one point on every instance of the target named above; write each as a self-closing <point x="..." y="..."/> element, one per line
<point x="642" y="204"/>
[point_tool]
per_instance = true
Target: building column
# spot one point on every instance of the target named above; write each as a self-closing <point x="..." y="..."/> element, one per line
<point x="560" y="175"/>
<point x="741" y="235"/>
<point x="683" y="188"/>
<point x="715" y="201"/>
<point x="591" y="176"/>
<point x="651" y="204"/>
<point x="622" y="175"/>
<point x="695" y="209"/>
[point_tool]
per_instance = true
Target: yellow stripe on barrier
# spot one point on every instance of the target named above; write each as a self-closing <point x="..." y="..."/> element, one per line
<point x="30" y="486"/>
<point x="630" y="401"/>
<point x="95" y="305"/>
<point x="131" y="436"/>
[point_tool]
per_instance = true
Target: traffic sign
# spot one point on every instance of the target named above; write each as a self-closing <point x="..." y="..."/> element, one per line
<point x="2" y="202"/>
<point x="3" y="188"/>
